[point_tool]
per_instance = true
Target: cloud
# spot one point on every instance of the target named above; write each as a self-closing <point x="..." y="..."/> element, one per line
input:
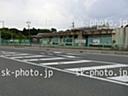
<point x="60" y="13"/>
<point x="107" y="8"/>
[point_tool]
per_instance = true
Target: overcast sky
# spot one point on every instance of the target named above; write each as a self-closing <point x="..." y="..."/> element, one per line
<point x="60" y="13"/>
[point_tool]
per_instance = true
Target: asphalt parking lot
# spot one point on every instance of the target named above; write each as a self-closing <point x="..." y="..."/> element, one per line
<point x="26" y="72"/>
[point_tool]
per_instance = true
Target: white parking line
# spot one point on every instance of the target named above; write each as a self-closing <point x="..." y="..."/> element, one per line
<point x="68" y="62"/>
<point x="31" y="56"/>
<point x="70" y="72"/>
<point x="119" y="78"/>
<point x="44" y="59"/>
<point x="57" y="52"/>
<point x="22" y="54"/>
<point x="96" y="67"/>
<point x="104" y="62"/>
<point x="68" y="56"/>
<point x="8" y="52"/>
<point x="4" y="52"/>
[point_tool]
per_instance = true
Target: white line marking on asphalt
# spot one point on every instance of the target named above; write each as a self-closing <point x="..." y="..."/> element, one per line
<point x="68" y="56"/>
<point x="119" y="78"/>
<point x="57" y="52"/>
<point x="104" y="62"/>
<point x="4" y="52"/>
<point x="96" y="67"/>
<point x="68" y="62"/>
<point x="70" y="72"/>
<point x="44" y="59"/>
<point x="8" y="53"/>
<point x="22" y="54"/>
<point x="31" y="56"/>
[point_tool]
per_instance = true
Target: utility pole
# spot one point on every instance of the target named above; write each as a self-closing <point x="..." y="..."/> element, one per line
<point x="2" y="22"/>
<point x="73" y="25"/>
<point x="28" y="25"/>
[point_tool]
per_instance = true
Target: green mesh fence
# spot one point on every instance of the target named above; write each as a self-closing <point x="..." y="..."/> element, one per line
<point x="15" y="42"/>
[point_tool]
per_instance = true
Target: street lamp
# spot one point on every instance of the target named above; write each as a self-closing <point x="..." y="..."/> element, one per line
<point x="28" y="25"/>
<point x="2" y="22"/>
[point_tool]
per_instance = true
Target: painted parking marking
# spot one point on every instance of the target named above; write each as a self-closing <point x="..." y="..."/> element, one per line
<point x="57" y="52"/>
<point x="105" y="62"/>
<point x="67" y="62"/>
<point x="30" y="56"/>
<point x="96" y="67"/>
<point x="119" y="78"/>
<point x="4" y="52"/>
<point x="70" y="72"/>
<point x="22" y="54"/>
<point x="44" y="59"/>
<point x="68" y="56"/>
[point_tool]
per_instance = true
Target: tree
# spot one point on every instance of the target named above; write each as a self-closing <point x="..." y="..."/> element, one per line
<point x="53" y="30"/>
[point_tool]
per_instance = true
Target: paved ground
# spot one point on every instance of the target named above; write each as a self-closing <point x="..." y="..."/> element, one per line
<point x="70" y="74"/>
